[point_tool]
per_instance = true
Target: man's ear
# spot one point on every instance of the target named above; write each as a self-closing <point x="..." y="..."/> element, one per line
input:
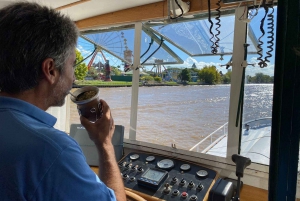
<point x="50" y="73"/>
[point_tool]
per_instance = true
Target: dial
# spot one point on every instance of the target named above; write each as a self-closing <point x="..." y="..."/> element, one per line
<point x="150" y="158"/>
<point x="134" y="156"/>
<point x="185" y="167"/>
<point x="202" y="173"/>
<point x="165" y="164"/>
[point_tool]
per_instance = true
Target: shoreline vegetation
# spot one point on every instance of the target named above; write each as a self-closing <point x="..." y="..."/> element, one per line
<point x="172" y="76"/>
<point x="100" y="83"/>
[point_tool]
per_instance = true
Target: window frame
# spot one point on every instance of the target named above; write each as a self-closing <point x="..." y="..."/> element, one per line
<point x="256" y="174"/>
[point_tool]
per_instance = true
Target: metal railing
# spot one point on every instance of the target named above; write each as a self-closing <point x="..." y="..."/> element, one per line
<point x="196" y="146"/>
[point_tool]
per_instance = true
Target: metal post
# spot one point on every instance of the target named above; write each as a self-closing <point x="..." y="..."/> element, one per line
<point x="240" y="31"/>
<point x="135" y="81"/>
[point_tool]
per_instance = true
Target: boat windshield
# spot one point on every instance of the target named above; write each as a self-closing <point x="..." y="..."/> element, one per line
<point x="186" y="83"/>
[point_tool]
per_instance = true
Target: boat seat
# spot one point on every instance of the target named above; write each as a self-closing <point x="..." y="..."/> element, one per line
<point x="79" y="133"/>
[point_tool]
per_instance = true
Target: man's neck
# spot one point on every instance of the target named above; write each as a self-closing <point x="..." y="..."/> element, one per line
<point x="31" y="96"/>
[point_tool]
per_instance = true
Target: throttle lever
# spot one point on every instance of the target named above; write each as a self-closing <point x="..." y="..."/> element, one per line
<point x="241" y="163"/>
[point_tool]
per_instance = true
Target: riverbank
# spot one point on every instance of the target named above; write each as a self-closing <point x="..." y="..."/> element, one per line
<point x="100" y="83"/>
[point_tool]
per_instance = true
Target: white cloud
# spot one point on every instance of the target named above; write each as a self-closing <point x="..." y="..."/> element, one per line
<point x="83" y="51"/>
<point x="250" y="70"/>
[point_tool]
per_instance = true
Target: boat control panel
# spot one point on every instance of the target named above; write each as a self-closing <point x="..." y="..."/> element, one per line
<point x="165" y="178"/>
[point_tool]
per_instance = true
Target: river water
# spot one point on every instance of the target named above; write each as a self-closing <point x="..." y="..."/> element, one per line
<point x="183" y="115"/>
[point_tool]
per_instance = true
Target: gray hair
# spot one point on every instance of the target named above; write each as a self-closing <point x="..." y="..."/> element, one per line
<point x="29" y="34"/>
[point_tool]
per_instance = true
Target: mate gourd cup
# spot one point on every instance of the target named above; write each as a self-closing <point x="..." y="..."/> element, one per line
<point x="90" y="107"/>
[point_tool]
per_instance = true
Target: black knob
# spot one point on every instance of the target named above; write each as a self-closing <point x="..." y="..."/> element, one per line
<point x="193" y="197"/>
<point x="174" y="179"/>
<point x="191" y="184"/>
<point x="200" y="187"/>
<point x="140" y="169"/>
<point x="125" y="176"/>
<point x="182" y="182"/>
<point x="175" y="192"/>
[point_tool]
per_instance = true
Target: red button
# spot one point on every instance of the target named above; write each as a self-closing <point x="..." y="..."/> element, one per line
<point x="183" y="194"/>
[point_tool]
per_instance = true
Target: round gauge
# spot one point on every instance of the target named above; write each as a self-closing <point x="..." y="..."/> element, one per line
<point x="150" y="158"/>
<point x="165" y="164"/>
<point x="185" y="167"/>
<point x="202" y="173"/>
<point x="134" y="156"/>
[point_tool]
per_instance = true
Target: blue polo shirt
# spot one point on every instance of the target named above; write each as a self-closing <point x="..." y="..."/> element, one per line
<point x="39" y="162"/>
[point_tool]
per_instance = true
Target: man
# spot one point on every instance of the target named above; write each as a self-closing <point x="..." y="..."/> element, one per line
<point x="38" y="162"/>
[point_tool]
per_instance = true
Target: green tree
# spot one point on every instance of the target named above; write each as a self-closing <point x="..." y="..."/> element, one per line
<point x="115" y="70"/>
<point x="194" y="70"/>
<point x="209" y="75"/>
<point x="157" y="79"/>
<point x="260" y="78"/>
<point x="92" y="72"/>
<point x="147" y="78"/>
<point x="185" y="75"/>
<point x="226" y="78"/>
<point x="81" y="69"/>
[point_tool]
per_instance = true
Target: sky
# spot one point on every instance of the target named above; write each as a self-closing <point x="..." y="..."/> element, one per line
<point x="126" y="38"/>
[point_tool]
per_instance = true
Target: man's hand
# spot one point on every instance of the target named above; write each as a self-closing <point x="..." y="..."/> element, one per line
<point x="102" y="130"/>
<point x="101" y="133"/>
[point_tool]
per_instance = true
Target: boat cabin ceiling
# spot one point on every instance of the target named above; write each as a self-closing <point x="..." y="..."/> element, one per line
<point x="90" y="14"/>
<point x="83" y="9"/>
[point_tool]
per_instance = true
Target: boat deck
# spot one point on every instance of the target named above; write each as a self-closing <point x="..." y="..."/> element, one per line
<point x="255" y="145"/>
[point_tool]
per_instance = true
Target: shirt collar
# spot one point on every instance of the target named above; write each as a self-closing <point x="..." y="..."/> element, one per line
<point x="27" y="108"/>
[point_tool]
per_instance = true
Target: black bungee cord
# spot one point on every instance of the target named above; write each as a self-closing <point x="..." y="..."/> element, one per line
<point x="270" y="42"/>
<point x="161" y="42"/>
<point x="214" y="49"/>
<point x="150" y="44"/>
<point x="86" y="57"/>
<point x="180" y="9"/>
<point x="218" y="24"/>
